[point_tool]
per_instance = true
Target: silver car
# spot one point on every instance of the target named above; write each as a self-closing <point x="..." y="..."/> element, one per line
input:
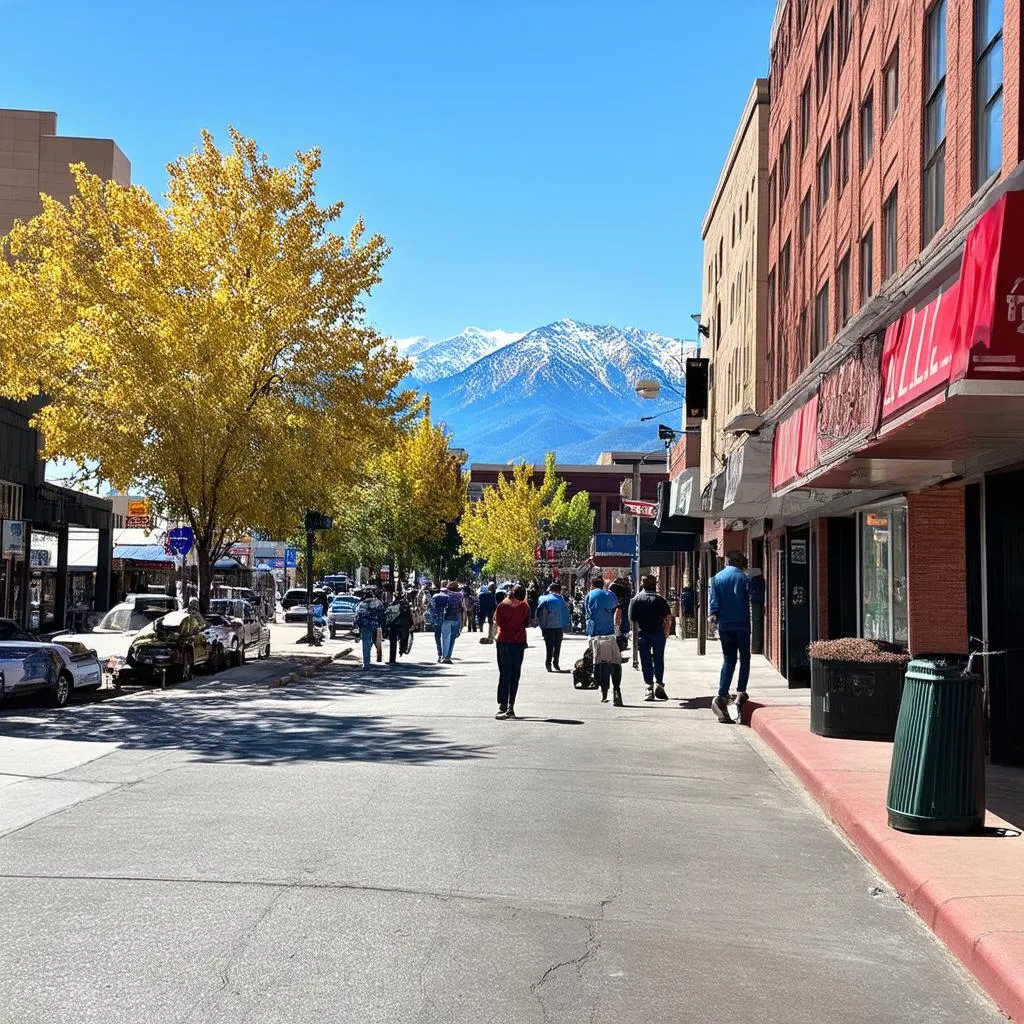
<point x="342" y="614"/>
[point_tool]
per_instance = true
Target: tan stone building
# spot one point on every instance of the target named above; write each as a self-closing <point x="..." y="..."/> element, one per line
<point x="35" y="159"/>
<point x="734" y="293"/>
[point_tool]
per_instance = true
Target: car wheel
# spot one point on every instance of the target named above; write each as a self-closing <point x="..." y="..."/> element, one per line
<point x="220" y="659"/>
<point x="61" y="690"/>
<point x="235" y="657"/>
<point x="266" y="650"/>
<point x="333" y="634"/>
<point x="241" y="654"/>
<point x="185" y="672"/>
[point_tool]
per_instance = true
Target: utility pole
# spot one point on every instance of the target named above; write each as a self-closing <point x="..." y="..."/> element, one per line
<point x="314" y="521"/>
<point x="636" y="563"/>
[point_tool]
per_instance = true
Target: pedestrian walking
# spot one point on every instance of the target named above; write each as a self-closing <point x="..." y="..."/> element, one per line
<point x="368" y="619"/>
<point x="511" y="617"/>
<point x="451" y="624"/>
<point x="468" y="609"/>
<point x="486" y="603"/>
<point x="652" y="616"/>
<point x="553" y="619"/>
<point x="437" y="609"/>
<point x="622" y="588"/>
<point x="397" y="626"/>
<point x="604" y="617"/>
<point x="729" y="607"/>
<point x="532" y="598"/>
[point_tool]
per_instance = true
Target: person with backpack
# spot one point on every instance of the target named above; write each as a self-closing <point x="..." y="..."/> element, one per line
<point x="451" y="624"/>
<point x="368" y="620"/>
<point x="398" y="625"/>
<point x="652" y="616"/>
<point x="553" y="619"/>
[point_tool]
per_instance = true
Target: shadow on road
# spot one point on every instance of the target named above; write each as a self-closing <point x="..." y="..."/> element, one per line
<point x="253" y="725"/>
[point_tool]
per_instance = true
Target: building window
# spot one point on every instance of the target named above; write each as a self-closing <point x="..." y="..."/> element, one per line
<point x="823" y="61"/>
<point x="824" y="176"/>
<point x="988" y="89"/>
<point x="867" y="266"/>
<point x="843" y="155"/>
<point x="845" y="30"/>
<point x="801" y="331"/>
<point x="805" y="216"/>
<point x="883" y="574"/>
<point x="805" y="115"/>
<point x="802" y="7"/>
<point x="822" y="321"/>
<point x="773" y="199"/>
<point x="843" y="291"/>
<point x="867" y="128"/>
<point x="934" y="180"/>
<point x="890" y="217"/>
<point x="891" y="88"/>
<point x="784" y="154"/>
<point x="784" y="264"/>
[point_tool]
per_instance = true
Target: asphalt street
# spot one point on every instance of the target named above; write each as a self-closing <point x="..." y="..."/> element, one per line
<point x="375" y="847"/>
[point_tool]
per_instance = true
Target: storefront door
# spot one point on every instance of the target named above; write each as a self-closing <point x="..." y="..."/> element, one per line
<point x="798" y="605"/>
<point x="1004" y="543"/>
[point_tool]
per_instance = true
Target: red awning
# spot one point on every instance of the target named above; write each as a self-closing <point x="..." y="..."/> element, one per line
<point x="795" y="448"/>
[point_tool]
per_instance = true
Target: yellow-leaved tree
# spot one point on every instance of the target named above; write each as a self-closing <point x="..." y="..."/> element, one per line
<point x="504" y="528"/>
<point x="210" y="351"/>
<point x="398" y="513"/>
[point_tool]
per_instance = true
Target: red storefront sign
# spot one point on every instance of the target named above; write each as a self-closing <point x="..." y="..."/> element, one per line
<point x="975" y="328"/>
<point x="848" y="399"/>
<point x="795" y="447"/>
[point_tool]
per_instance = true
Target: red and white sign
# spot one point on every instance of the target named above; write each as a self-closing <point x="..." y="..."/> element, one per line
<point x="240" y="551"/>
<point x="643" y="509"/>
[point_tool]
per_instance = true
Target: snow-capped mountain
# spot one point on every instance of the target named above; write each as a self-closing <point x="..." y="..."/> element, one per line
<point x="566" y="387"/>
<point x="436" y="359"/>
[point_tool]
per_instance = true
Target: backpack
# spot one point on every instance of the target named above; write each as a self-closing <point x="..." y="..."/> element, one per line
<point x="583" y="672"/>
<point x="392" y="613"/>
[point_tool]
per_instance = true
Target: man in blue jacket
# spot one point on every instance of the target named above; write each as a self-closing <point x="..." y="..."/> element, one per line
<point x="487" y="601"/>
<point x="553" y="619"/>
<point x="729" y="606"/>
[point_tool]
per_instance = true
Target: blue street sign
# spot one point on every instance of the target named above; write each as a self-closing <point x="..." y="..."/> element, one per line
<point x="615" y="544"/>
<point x="291" y="557"/>
<point x="180" y="540"/>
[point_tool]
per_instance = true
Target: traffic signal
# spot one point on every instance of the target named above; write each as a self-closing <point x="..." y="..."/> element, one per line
<point x="697" y="389"/>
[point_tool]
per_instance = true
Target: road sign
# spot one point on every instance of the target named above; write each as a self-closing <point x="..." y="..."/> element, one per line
<point x="180" y="540"/>
<point x="137" y="522"/>
<point x="291" y="557"/>
<point x="643" y="509"/>
<point x="137" y="507"/>
<point x="615" y="544"/>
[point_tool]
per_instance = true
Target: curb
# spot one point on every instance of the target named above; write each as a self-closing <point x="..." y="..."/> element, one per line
<point x="969" y="890"/>
<point x="303" y="673"/>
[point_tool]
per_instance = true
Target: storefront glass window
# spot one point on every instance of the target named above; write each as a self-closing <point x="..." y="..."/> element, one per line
<point x="883" y="574"/>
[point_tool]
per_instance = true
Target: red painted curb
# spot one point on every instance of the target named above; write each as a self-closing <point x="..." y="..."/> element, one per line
<point x="968" y="889"/>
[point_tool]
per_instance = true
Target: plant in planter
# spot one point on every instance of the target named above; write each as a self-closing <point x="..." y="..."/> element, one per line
<point x="856" y="686"/>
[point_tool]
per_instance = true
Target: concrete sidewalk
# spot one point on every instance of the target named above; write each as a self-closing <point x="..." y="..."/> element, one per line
<point x="968" y="889"/>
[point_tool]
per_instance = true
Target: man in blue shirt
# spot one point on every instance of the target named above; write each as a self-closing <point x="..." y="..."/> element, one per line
<point x="553" y="619"/>
<point x="729" y="606"/>
<point x="604" y="616"/>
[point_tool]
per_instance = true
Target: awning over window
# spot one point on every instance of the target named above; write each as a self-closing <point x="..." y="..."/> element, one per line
<point x="141" y="556"/>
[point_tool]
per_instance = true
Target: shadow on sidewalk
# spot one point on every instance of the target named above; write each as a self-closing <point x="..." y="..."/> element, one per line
<point x="697" y="703"/>
<point x="252" y="726"/>
<point x="1005" y="792"/>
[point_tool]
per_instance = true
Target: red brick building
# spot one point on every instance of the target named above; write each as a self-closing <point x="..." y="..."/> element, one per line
<point x="894" y="361"/>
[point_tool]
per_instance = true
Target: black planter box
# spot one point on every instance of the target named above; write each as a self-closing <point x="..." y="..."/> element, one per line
<point x="856" y="700"/>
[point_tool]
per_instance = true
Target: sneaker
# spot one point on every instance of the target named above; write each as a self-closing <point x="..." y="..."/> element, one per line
<point x="649" y="695"/>
<point x="502" y="713"/>
<point x="617" y="698"/>
<point x="719" y="706"/>
<point x="446" y="661"/>
<point x="511" y="713"/>
<point x="659" y="692"/>
<point x="741" y="699"/>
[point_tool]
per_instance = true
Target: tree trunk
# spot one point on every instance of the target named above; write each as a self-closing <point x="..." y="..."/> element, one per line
<point x="203" y="557"/>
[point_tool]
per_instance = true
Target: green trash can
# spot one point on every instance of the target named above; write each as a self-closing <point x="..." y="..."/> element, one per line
<point x="937" y="778"/>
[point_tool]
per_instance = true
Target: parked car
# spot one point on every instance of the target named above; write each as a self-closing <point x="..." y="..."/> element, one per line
<point x="113" y="636"/>
<point x="252" y="635"/>
<point x="171" y="648"/>
<point x="342" y="614"/>
<point x="297" y="595"/>
<point x="27" y="664"/>
<point x="297" y="612"/>
<point x="220" y="631"/>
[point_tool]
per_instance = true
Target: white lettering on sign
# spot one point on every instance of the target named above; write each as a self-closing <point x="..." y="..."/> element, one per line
<point x="1015" y="306"/>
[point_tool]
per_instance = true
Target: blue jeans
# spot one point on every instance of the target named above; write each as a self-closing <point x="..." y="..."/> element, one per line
<point x="735" y="643"/>
<point x="449" y="631"/>
<point x="652" y="657"/>
<point x="367" y="634"/>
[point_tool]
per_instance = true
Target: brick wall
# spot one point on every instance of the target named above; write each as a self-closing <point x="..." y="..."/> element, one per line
<point x="844" y="219"/>
<point x="936" y="571"/>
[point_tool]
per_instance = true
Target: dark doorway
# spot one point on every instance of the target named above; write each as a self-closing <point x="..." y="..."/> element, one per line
<point x="1004" y="543"/>
<point x="798" y="605"/>
<point x="842" y="576"/>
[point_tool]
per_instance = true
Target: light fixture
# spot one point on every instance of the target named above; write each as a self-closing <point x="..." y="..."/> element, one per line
<point x="648" y="389"/>
<point x="702" y="330"/>
<point x="745" y="423"/>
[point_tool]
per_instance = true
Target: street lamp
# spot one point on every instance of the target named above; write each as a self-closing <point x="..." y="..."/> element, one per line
<point x="702" y="330"/>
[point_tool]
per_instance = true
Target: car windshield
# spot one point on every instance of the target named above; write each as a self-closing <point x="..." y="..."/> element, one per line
<point x="220" y="606"/>
<point x="128" y="619"/>
<point x="15" y="652"/>
<point x="341" y="603"/>
<point x="217" y="620"/>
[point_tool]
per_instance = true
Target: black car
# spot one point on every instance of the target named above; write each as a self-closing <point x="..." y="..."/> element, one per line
<point x="171" y="648"/>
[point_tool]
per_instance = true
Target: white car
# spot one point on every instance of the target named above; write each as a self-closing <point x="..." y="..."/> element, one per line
<point x="29" y="665"/>
<point x="116" y="631"/>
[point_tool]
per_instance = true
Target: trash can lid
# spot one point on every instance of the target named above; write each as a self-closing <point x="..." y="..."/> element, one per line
<point x="937" y="666"/>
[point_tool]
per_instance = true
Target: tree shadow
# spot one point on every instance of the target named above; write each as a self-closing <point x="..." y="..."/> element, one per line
<point x="254" y="726"/>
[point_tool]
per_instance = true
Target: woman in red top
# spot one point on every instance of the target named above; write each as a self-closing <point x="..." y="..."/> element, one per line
<point x="511" y="617"/>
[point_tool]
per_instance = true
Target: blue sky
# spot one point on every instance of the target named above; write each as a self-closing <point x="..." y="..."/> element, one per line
<point x="526" y="159"/>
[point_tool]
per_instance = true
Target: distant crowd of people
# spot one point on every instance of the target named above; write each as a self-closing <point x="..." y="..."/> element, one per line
<point x="607" y="614"/>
